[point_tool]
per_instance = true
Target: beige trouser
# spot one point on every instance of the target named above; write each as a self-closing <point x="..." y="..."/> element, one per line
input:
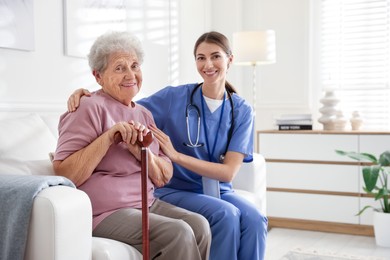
<point x="175" y="233"/>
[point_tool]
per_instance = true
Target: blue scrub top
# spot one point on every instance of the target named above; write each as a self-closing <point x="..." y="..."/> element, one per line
<point x="168" y="107"/>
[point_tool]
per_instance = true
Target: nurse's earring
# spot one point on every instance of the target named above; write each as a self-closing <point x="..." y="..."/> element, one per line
<point x="228" y="65"/>
<point x="230" y="61"/>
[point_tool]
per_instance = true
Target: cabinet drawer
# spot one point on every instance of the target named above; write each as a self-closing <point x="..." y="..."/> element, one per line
<point x="375" y="144"/>
<point x="322" y="177"/>
<point x="307" y="146"/>
<point x="341" y="209"/>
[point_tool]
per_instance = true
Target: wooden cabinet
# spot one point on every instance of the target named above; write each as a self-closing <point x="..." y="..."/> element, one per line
<point x="311" y="187"/>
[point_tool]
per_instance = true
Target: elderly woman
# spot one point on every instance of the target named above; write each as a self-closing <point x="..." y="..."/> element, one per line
<point x="110" y="172"/>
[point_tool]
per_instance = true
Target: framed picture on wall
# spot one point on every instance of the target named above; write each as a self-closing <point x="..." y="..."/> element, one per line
<point x="17" y="24"/>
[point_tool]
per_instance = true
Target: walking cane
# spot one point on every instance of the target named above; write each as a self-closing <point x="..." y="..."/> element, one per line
<point x="145" y="208"/>
<point x="148" y="139"/>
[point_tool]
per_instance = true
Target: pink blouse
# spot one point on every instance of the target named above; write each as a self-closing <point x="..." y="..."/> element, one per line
<point x="116" y="181"/>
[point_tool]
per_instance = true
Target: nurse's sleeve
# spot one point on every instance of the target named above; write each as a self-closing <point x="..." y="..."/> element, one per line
<point x="242" y="137"/>
<point x="159" y="104"/>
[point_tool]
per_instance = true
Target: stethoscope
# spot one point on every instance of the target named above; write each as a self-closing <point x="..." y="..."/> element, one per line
<point x="192" y="107"/>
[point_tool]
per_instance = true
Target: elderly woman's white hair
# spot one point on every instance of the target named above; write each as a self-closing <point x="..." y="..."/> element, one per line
<point x="111" y="42"/>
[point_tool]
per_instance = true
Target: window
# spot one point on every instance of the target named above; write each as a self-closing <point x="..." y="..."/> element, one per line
<point x="354" y="57"/>
<point x="155" y="22"/>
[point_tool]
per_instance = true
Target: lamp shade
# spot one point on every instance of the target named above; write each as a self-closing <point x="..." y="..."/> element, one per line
<point x="254" y="47"/>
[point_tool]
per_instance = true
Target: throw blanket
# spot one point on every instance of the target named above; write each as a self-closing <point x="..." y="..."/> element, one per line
<point x="16" y="199"/>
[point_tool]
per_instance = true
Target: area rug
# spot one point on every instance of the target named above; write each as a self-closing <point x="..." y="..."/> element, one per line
<point x="302" y="254"/>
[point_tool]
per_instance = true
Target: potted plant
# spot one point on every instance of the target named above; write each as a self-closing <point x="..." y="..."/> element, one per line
<point x="375" y="176"/>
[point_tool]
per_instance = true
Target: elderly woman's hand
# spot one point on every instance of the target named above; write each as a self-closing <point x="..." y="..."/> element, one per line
<point x="132" y="133"/>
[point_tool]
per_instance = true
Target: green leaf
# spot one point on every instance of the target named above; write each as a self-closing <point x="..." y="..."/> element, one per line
<point x="360" y="212"/>
<point x="380" y="194"/>
<point x="341" y="152"/>
<point x="370" y="176"/>
<point x="368" y="157"/>
<point x="358" y="156"/>
<point x="384" y="158"/>
<point x="386" y="207"/>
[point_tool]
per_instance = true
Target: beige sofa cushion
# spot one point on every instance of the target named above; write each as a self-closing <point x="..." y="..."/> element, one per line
<point x="25" y="145"/>
<point x="20" y="167"/>
<point x="21" y="137"/>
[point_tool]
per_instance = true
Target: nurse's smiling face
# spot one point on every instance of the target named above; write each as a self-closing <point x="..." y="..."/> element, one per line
<point x="122" y="78"/>
<point x="212" y="63"/>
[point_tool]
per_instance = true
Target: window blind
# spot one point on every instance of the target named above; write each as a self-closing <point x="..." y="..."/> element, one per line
<point x="355" y="57"/>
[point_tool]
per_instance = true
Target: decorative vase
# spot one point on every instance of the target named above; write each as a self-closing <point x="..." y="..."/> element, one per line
<point x="340" y="121"/>
<point x="356" y="120"/>
<point x="328" y="110"/>
<point x="381" y="222"/>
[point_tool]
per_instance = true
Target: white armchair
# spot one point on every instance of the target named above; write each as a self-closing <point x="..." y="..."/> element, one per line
<point x="61" y="219"/>
<point x="250" y="182"/>
<point x="60" y="225"/>
<point x="61" y="229"/>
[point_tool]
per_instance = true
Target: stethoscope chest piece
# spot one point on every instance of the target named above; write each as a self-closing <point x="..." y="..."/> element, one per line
<point x="194" y="110"/>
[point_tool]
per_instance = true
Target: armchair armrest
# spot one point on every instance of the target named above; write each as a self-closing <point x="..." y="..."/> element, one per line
<point x="250" y="181"/>
<point x="60" y="225"/>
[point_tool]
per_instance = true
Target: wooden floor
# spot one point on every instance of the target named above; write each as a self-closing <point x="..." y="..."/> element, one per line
<point x="280" y="241"/>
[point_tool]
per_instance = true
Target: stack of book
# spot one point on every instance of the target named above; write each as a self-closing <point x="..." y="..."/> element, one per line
<point x="295" y="122"/>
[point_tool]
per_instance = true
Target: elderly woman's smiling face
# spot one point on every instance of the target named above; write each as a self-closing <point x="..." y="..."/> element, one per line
<point x="122" y="78"/>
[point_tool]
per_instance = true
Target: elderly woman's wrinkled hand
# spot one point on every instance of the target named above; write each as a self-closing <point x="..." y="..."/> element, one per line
<point x="132" y="133"/>
<point x="129" y="132"/>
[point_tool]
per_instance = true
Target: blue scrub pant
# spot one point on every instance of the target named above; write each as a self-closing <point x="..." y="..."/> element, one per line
<point x="239" y="230"/>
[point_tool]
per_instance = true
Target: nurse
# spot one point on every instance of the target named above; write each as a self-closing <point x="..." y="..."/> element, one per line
<point x="206" y="130"/>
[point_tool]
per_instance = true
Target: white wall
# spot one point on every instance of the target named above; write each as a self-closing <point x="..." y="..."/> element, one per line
<point x="46" y="77"/>
<point x="282" y="87"/>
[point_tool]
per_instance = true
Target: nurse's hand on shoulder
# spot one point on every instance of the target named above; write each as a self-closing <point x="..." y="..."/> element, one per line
<point x="74" y="99"/>
<point x="165" y="143"/>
